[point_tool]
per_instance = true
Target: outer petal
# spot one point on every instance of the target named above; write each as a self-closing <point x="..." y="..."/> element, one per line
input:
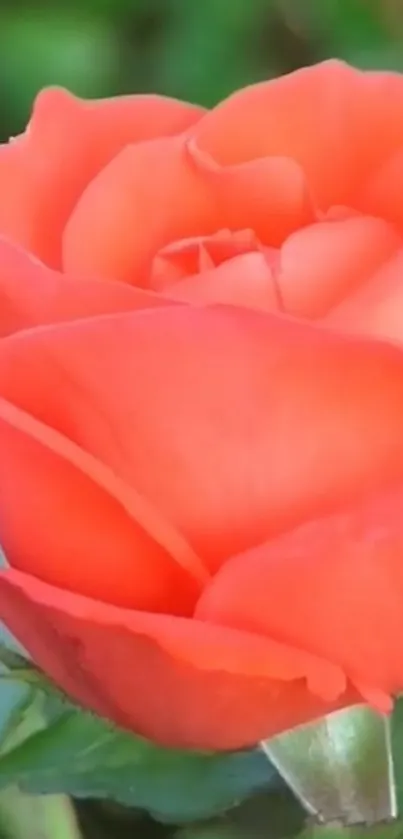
<point x="67" y="517"/>
<point x="334" y="587"/>
<point x="381" y="194"/>
<point x="154" y="193"/>
<point x="32" y="294"/>
<point x="180" y="682"/>
<point x="147" y="196"/>
<point x="323" y="263"/>
<point x="326" y="117"/>
<point x="375" y="308"/>
<point x="234" y="424"/>
<point x="68" y="141"/>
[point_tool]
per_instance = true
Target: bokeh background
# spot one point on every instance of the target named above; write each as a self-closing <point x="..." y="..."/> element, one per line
<point x="195" y="49"/>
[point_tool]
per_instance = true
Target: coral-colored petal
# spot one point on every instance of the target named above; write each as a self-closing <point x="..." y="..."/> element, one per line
<point x="381" y="195"/>
<point x="32" y="294"/>
<point x="327" y="117"/>
<point x="180" y="682"/>
<point x="147" y="196"/>
<point x="234" y="424"/>
<point x="269" y="195"/>
<point x="376" y="307"/>
<point x="246" y="281"/>
<point x="155" y="193"/>
<point x="333" y="587"/>
<point x="44" y="171"/>
<point x="185" y="257"/>
<point x="321" y="264"/>
<point x="67" y="517"/>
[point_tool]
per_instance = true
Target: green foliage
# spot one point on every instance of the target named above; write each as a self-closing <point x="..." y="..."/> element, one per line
<point x="81" y="755"/>
<point x="198" y="51"/>
<point x="60" y="47"/>
<point x="274" y="815"/>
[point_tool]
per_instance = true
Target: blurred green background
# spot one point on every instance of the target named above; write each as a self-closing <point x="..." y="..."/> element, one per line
<point x="195" y="49"/>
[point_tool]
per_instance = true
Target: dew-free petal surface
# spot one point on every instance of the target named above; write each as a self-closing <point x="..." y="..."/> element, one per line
<point x="180" y="682"/>
<point x="153" y="194"/>
<point x="333" y="587"/>
<point x="235" y="425"/>
<point x="32" y="294"/>
<point x="246" y="280"/>
<point x="68" y="140"/>
<point x="326" y="117"/>
<point x="114" y="545"/>
<point x="323" y="263"/>
<point x="375" y="308"/>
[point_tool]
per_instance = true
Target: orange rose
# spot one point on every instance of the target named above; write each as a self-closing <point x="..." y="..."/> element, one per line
<point x="201" y="504"/>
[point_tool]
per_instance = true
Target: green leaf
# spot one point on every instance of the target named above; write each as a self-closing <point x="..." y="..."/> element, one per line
<point x="104" y="820"/>
<point x="14" y="696"/>
<point x="81" y="755"/>
<point x="54" y="747"/>
<point x="272" y="815"/>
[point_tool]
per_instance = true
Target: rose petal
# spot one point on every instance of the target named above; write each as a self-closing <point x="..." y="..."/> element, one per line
<point x="32" y="294"/>
<point x="72" y="521"/>
<point x="333" y="587"/>
<point x="376" y="307"/>
<point x="382" y="193"/>
<point x="246" y="280"/>
<point x="181" y="682"/>
<point x="153" y="194"/>
<point x="148" y="195"/>
<point x="43" y="171"/>
<point x="322" y="263"/>
<point x="326" y="117"/>
<point x="234" y="424"/>
<point x="269" y="195"/>
<point x="185" y="257"/>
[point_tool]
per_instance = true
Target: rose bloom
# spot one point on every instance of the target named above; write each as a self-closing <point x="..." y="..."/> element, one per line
<point x="201" y="403"/>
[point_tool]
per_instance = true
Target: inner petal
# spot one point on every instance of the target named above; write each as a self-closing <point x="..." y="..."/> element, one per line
<point x="196" y="254"/>
<point x="159" y="192"/>
<point x="247" y="280"/>
<point x="323" y="263"/>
